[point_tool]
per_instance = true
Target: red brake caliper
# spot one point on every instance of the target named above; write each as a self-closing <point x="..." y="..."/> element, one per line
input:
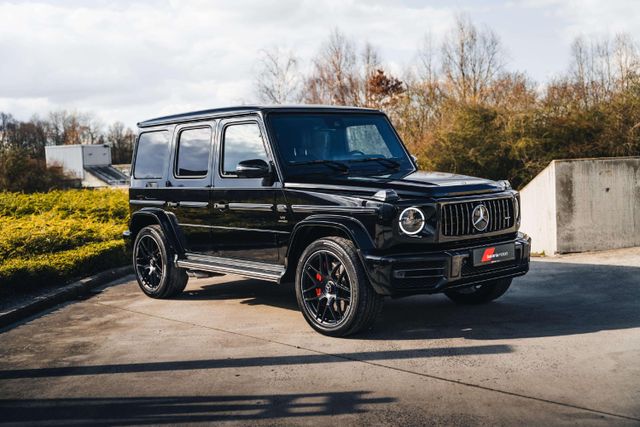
<point x="319" y="279"/>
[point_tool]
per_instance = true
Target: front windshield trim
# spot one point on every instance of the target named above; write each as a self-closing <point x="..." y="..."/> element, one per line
<point x="407" y="164"/>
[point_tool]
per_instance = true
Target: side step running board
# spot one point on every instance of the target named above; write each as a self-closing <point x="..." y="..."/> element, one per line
<point x="254" y="270"/>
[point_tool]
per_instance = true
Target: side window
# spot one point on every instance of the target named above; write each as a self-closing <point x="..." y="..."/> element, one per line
<point x="151" y="155"/>
<point x="368" y="140"/>
<point x="241" y="142"/>
<point x="192" y="157"/>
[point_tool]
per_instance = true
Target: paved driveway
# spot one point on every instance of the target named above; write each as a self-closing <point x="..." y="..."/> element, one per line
<point x="561" y="347"/>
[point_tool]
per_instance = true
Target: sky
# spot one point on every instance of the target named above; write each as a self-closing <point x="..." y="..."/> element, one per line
<point x="130" y="61"/>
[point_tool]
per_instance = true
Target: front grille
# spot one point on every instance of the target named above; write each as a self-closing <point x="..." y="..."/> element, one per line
<point x="457" y="221"/>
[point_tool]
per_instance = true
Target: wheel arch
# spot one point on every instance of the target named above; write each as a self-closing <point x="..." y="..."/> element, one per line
<point x="318" y="226"/>
<point x="167" y="222"/>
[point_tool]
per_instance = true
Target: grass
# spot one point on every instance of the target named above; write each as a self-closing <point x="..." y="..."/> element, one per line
<point x="51" y="238"/>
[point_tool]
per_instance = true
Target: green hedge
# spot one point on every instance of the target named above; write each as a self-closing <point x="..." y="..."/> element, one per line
<point x="51" y="238"/>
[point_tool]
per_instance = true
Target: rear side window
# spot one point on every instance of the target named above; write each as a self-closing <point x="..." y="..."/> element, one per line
<point x="241" y="142"/>
<point x="151" y="155"/>
<point x="194" y="147"/>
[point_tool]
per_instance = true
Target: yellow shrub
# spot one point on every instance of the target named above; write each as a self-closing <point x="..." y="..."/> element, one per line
<point x="53" y="237"/>
<point x="62" y="266"/>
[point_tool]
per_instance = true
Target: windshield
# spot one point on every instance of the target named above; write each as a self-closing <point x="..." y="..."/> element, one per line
<point x="337" y="143"/>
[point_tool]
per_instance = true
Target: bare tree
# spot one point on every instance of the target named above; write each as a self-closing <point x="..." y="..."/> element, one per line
<point x="626" y="60"/>
<point x="591" y="69"/>
<point x="512" y="90"/>
<point x="7" y="123"/>
<point x="121" y="140"/>
<point x="427" y="67"/>
<point x="56" y="127"/>
<point x="601" y="67"/>
<point x="64" y="128"/>
<point x="93" y="130"/>
<point x="278" y="79"/>
<point x="335" y="78"/>
<point x="471" y="59"/>
<point x="371" y="64"/>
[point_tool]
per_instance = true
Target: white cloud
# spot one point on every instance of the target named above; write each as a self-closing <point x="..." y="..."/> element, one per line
<point x="593" y="17"/>
<point x="131" y="61"/>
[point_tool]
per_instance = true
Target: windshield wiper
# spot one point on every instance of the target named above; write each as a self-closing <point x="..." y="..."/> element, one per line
<point x="333" y="164"/>
<point x="388" y="163"/>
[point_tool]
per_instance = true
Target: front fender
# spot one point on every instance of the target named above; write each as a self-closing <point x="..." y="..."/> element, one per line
<point x="351" y="227"/>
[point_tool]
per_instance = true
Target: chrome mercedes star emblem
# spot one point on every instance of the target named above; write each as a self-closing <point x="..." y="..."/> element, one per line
<point x="480" y="217"/>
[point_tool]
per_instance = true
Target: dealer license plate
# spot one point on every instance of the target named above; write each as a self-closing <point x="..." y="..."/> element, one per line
<point x="494" y="254"/>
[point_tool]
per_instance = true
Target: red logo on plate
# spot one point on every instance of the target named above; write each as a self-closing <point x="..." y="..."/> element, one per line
<point x="486" y="256"/>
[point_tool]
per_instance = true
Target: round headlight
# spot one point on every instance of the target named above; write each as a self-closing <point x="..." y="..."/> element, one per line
<point x="411" y="221"/>
<point x="516" y="209"/>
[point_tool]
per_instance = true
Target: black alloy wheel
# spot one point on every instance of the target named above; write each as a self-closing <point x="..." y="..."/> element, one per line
<point x="333" y="290"/>
<point x="326" y="288"/>
<point x="149" y="266"/>
<point x="156" y="275"/>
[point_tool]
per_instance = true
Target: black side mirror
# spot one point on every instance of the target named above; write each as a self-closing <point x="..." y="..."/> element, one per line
<point x="254" y="168"/>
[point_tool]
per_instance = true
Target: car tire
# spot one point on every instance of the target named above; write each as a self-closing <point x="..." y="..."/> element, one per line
<point x="157" y="275"/>
<point x="332" y="288"/>
<point x="479" y="294"/>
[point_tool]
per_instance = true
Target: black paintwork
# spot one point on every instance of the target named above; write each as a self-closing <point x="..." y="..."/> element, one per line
<point x="269" y="221"/>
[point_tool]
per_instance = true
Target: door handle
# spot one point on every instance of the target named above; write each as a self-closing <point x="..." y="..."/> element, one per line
<point x="188" y="204"/>
<point x="221" y="206"/>
<point x="173" y="204"/>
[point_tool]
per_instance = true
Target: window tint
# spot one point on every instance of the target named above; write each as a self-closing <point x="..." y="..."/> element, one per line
<point x="151" y="154"/>
<point x="241" y="142"/>
<point x="194" y="146"/>
<point x="304" y="140"/>
<point x="367" y="139"/>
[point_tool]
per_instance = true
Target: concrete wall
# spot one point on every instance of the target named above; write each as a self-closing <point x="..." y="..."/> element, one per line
<point x="538" y="211"/>
<point x="598" y="204"/>
<point x="583" y="205"/>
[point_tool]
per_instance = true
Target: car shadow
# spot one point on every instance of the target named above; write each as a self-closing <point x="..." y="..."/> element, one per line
<point x="553" y="299"/>
<point x="185" y="409"/>
<point x="248" y="362"/>
<point x="251" y="292"/>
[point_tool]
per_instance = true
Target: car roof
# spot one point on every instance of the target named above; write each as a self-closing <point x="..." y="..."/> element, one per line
<point x="248" y="109"/>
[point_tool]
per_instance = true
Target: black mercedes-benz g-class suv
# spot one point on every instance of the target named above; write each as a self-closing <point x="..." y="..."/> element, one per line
<point x="325" y="197"/>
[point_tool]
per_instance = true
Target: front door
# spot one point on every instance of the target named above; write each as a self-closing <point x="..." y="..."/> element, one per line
<point x="245" y="219"/>
<point x="188" y="185"/>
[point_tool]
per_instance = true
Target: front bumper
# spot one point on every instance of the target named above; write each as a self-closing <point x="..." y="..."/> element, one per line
<point x="437" y="271"/>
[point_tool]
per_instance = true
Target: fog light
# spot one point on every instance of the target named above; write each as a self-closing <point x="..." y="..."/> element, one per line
<point x="456" y="266"/>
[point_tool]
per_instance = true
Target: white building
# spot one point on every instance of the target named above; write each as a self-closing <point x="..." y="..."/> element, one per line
<point x="89" y="163"/>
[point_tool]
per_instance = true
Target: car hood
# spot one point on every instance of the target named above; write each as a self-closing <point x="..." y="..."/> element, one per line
<point x="419" y="183"/>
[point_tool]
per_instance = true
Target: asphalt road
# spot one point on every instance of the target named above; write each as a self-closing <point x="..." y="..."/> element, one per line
<point x="561" y="347"/>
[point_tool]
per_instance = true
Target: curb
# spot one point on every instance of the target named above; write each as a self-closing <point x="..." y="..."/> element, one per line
<point x="64" y="294"/>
